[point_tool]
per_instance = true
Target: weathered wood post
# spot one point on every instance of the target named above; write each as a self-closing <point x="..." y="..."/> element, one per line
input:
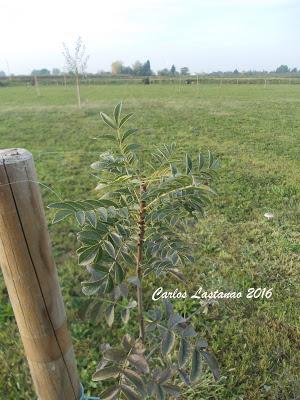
<point x="31" y="280"/>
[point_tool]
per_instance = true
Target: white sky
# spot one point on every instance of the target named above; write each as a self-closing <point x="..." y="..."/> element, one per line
<point x="204" y="35"/>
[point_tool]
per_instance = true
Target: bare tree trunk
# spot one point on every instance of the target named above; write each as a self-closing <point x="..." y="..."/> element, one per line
<point x="36" y="84"/>
<point x="78" y="92"/>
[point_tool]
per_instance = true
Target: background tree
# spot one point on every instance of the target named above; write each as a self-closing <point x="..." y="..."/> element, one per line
<point x="116" y="67"/>
<point x="76" y="64"/>
<point x="173" y="70"/>
<point x="40" y="72"/>
<point x="184" y="71"/>
<point x="146" y="69"/>
<point x="283" y="69"/>
<point x="137" y="68"/>
<point x="2" y="74"/>
<point x="127" y="70"/>
<point x="164" y="72"/>
<point x="55" y="71"/>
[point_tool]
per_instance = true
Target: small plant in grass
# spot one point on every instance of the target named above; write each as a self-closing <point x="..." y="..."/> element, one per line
<point x="138" y="228"/>
<point x="76" y="64"/>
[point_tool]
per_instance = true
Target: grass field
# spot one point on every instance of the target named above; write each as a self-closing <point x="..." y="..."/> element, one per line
<point x="255" y="132"/>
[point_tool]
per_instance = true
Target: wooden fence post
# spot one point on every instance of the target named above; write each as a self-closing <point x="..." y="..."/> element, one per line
<point x="31" y="280"/>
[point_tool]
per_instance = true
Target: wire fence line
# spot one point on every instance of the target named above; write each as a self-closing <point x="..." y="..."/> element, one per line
<point x="65" y="81"/>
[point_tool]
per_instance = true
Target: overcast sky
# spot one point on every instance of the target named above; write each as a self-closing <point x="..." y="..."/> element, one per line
<point x="204" y="35"/>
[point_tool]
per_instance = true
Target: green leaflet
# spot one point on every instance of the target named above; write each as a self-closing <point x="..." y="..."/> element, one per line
<point x="134" y="280"/>
<point x="125" y="119"/>
<point x="128" y="133"/>
<point x="106" y="373"/>
<point x="184" y="352"/>
<point x="119" y="274"/>
<point x="108" y="121"/>
<point x="109" y="284"/>
<point x="125" y="315"/>
<point x="90" y="288"/>
<point x="196" y="369"/>
<point x="136" y="380"/>
<point x="110" y="393"/>
<point x="115" y="354"/>
<point x="102" y="213"/>
<point x="80" y="217"/>
<point x="63" y="206"/>
<point x="173" y="390"/>
<point x="84" y="205"/>
<point x="87" y="256"/>
<point x="117" y="112"/>
<point x="130" y="394"/>
<point x="110" y="315"/>
<point x="164" y="376"/>
<point x="189" y="332"/>
<point x="160" y="394"/>
<point x="173" y="170"/>
<point x="167" y="342"/>
<point x="139" y="362"/>
<point x="128" y="342"/>
<point x="174" y="320"/>
<point x="184" y="377"/>
<point x="201" y="161"/>
<point x="116" y="239"/>
<point x="89" y="237"/>
<point x="212" y="363"/>
<point x="188" y="164"/>
<point x="91" y="218"/>
<point x="109" y="248"/>
<point x="61" y="215"/>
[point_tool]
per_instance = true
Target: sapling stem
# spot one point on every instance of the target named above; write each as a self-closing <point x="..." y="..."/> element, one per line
<point x="139" y="256"/>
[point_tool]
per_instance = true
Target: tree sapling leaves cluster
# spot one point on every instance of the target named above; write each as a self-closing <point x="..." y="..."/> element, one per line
<point x="138" y="227"/>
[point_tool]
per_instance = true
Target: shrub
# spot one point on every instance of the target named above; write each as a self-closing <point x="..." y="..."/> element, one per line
<point x="138" y="228"/>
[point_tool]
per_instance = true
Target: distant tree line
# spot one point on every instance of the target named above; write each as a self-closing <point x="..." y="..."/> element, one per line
<point x="144" y="69"/>
<point x="173" y="72"/>
<point x="137" y="69"/>
<point x="45" y="72"/>
<point x="282" y="69"/>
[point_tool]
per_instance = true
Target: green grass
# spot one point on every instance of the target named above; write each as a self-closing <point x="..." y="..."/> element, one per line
<point x="256" y="134"/>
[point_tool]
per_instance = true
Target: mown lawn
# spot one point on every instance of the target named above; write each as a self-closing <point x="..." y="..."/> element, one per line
<point x="256" y="134"/>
